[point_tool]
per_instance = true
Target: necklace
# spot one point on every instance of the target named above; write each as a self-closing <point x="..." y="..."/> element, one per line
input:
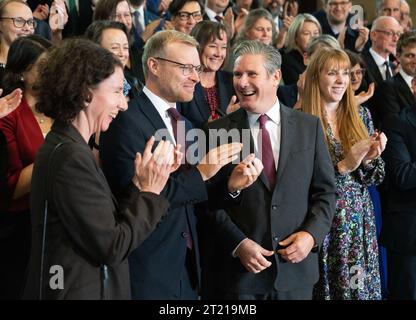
<point x="40" y="119"/>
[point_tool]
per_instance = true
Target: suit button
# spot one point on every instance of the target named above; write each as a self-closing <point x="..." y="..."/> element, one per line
<point x="276" y="238"/>
<point x="185" y="234"/>
<point x="274" y="207"/>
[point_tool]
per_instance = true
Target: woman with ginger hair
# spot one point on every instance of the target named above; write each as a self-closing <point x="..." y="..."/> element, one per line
<point x="349" y="254"/>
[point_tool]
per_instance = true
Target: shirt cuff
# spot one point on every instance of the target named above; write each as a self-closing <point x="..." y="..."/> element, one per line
<point x="236" y="248"/>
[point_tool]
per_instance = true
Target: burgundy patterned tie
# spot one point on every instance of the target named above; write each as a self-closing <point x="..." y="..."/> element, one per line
<point x="175" y="116"/>
<point x="267" y="152"/>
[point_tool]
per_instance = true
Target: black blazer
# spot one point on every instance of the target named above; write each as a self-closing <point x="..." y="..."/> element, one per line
<point x="197" y="110"/>
<point x="76" y="28"/>
<point x="303" y="199"/>
<point x="399" y="210"/>
<point x="292" y="66"/>
<point x="393" y="96"/>
<point x="156" y="266"/>
<point x="3" y="170"/>
<point x="85" y="231"/>
<point x="288" y="95"/>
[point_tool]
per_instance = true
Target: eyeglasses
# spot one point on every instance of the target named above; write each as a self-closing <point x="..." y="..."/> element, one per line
<point x="358" y="72"/>
<point x="186" y="68"/>
<point x="341" y="3"/>
<point x="390" y="33"/>
<point x="185" y="16"/>
<point x="20" y="22"/>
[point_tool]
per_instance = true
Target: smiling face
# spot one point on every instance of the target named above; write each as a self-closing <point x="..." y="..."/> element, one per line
<point x="115" y="40"/>
<point x="8" y="32"/>
<point x="305" y="34"/>
<point x="123" y="15"/>
<point x="170" y="82"/>
<point x="261" y="30"/>
<point x="333" y="82"/>
<point x="338" y="10"/>
<point x="255" y="88"/>
<point x="107" y="101"/>
<point x="214" y="53"/>
<point x="407" y="59"/>
<point x="186" y="24"/>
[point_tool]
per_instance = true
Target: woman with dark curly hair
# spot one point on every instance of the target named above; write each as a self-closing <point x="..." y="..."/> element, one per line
<point x="80" y="240"/>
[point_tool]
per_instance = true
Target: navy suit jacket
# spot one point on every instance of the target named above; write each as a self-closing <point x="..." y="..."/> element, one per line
<point x="393" y="96"/>
<point x="399" y="205"/>
<point x="157" y="265"/>
<point x="197" y="110"/>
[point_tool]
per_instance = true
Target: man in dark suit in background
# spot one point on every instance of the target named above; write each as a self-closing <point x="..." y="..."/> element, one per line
<point x="396" y="94"/>
<point x="166" y="265"/>
<point x="398" y="232"/>
<point x="385" y="33"/>
<point x="267" y="245"/>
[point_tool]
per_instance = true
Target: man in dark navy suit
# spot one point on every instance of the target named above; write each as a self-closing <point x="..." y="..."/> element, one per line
<point x="166" y="265"/>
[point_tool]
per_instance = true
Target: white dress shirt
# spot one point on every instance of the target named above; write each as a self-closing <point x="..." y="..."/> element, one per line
<point x="275" y="132"/>
<point x="407" y="78"/>
<point x="162" y="107"/>
<point x="212" y="14"/>
<point x="272" y="126"/>
<point x="379" y="60"/>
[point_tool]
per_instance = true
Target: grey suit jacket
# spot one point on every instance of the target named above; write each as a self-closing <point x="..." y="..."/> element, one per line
<point x="303" y="199"/>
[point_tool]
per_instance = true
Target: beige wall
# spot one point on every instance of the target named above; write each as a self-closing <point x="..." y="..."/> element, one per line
<point x="370" y="8"/>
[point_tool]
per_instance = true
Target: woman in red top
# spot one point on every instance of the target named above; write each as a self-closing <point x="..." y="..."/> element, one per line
<point x="24" y="130"/>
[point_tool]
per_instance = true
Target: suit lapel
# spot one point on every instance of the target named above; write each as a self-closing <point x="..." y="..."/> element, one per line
<point x="286" y="140"/>
<point x="404" y="91"/>
<point x="224" y="92"/>
<point x="239" y="120"/>
<point x="149" y="110"/>
<point x="200" y="103"/>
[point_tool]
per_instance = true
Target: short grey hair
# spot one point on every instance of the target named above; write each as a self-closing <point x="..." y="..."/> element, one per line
<point x="324" y="40"/>
<point x="377" y="21"/>
<point x="296" y="25"/>
<point x="156" y="45"/>
<point x="380" y="3"/>
<point x="272" y="57"/>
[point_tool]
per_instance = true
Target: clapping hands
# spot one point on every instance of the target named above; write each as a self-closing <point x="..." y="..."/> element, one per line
<point x="152" y="170"/>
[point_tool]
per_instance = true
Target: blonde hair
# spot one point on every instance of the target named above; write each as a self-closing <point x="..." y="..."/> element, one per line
<point x="296" y="26"/>
<point x="351" y="127"/>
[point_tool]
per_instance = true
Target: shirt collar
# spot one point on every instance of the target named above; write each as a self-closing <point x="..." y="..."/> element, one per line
<point x="406" y="78"/>
<point x="211" y="14"/>
<point x="161" y="105"/>
<point x="377" y="58"/>
<point x="273" y="114"/>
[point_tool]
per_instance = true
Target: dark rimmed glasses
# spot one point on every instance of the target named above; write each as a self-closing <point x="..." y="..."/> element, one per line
<point x="19" y="22"/>
<point x="187" y="69"/>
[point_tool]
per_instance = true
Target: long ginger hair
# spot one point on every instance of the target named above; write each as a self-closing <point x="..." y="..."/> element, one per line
<point x="351" y="128"/>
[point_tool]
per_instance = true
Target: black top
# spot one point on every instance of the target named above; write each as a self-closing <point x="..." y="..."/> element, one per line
<point x="292" y="66"/>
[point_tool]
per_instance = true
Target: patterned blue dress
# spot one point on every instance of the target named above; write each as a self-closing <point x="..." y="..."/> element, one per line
<point x="349" y="267"/>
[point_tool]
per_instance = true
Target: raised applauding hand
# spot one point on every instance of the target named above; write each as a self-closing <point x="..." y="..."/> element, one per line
<point x="152" y="170"/>
<point x="10" y="102"/>
<point x="245" y="173"/>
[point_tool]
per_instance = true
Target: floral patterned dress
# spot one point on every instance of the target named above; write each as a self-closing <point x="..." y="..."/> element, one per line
<point x="349" y="268"/>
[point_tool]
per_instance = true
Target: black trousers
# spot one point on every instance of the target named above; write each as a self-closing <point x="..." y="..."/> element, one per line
<point x="401" y="276"/>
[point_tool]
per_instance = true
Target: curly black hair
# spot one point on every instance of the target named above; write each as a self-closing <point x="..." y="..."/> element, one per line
<point x="67" y="76"/>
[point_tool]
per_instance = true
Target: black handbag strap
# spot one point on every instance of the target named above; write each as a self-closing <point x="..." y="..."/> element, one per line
<point x="45" y="218"/>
